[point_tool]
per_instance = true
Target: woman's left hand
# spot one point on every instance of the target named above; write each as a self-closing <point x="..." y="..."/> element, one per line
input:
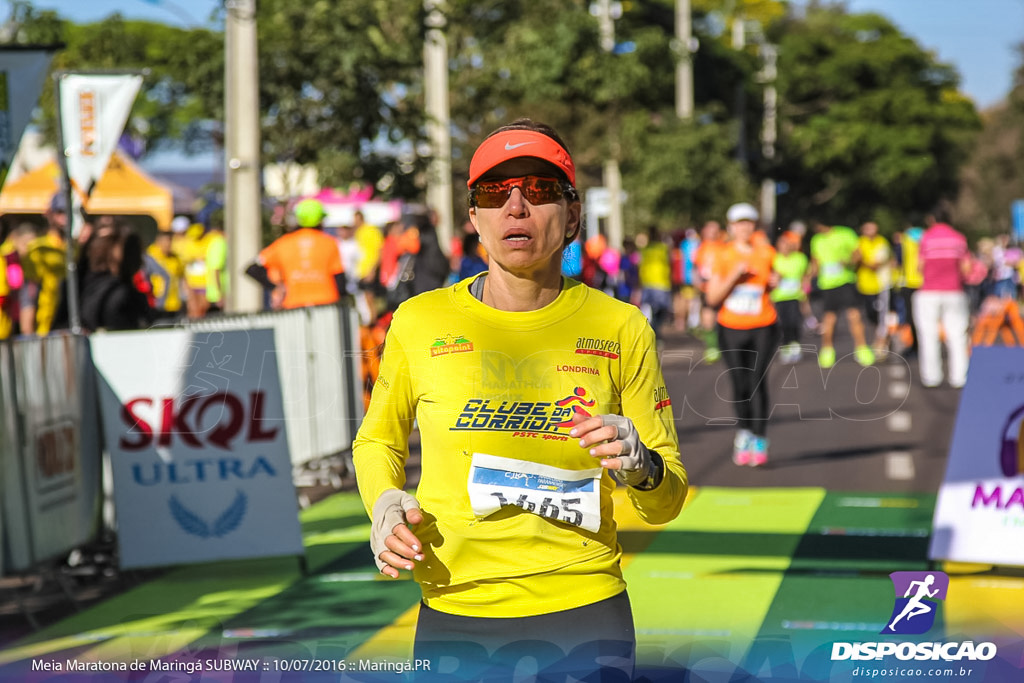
<point x="614" y="439"/>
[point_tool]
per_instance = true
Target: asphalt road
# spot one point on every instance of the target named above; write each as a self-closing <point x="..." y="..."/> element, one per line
<point x="874" y="429"/>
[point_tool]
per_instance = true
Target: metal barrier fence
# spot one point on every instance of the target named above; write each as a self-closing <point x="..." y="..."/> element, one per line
<point x="318" y="356"/>
<point x="52" y="475"/>
<point x="50" y="460"/>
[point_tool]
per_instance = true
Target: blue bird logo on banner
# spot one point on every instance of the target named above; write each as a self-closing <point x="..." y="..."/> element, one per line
<point x="193" y="524"/>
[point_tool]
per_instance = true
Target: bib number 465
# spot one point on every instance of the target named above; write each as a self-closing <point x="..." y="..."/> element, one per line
<point x="546" y="507"/>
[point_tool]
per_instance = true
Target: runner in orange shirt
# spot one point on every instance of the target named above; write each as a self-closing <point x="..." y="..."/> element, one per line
<point x="747" y="333"/>
<point x="303" y="266"/>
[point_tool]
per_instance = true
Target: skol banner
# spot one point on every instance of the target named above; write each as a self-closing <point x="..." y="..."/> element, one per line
<point x="194" y="424"/>
<point x="22" y="72"/>
<point x="93" y="112"/>
<point x="979" y="514"/>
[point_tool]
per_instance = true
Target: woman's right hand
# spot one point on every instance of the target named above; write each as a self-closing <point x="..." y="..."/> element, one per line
<point x="394" y="544"/>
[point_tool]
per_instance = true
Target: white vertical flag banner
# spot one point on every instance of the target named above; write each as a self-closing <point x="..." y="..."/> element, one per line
<point x="93" y="110"/>
<point x="22" y="73"/>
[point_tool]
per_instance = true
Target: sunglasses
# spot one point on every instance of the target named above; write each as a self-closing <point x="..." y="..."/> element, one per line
<point x="492" y="194"/>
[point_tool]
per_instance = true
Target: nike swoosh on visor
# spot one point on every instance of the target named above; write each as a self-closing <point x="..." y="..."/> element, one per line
<point x="509" y="146"/>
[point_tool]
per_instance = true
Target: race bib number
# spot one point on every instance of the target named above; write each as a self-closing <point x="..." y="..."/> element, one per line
<point x="789" y="285"/>
<point x="833" y="269"/>
<point x="570" y="496"/>
<point x="745" y="299"/>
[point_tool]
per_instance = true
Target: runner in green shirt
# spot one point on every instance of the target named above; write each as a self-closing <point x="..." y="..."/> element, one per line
<point x="790" y="267"/>
<point x="835" y="252"/>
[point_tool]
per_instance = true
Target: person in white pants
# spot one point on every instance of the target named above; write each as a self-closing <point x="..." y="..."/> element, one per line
<point x="951" y="309"/>
<point x="941" y="299"/>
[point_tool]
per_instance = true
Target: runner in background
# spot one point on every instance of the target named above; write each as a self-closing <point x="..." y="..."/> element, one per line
<point x="370" y="239"/>
<point x="835" y="252"/>
<point x="13" y="250"/>
<point x="799" y="230"/>
<point x="351" y="255"/>
<point x="572" y="259"/>
<point x="166" y="275"/>
<point x="216" y="258"/>
<point x="473" y="261"/>
<point x="941" y="301"/>
<point x="690" y="304"/>
<point x="191" y="247"/>
<point x="302" y="267"/>
<point x="788" y="296"/>
<point x="747" y="333"/>
<point x="656" y="281"/>
<point x="44" y="267"/>
<point x="911" y="280"/>
<point x="711" y="243"/>
<point x="874" y="281"/>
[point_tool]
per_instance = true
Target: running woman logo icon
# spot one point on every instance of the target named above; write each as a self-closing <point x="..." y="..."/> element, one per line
<point x="1011" y="453"/>
<point x="914" y="612"/>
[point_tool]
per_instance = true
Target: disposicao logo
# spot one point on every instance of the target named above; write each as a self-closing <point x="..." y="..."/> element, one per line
<point x="913" y="613"/>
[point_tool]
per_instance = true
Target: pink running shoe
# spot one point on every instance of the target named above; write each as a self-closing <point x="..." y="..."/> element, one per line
<point x="741" y="453"/>
<point x="758" y="451"/>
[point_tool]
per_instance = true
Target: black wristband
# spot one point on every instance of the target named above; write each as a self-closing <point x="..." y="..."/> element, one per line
<point x="656" y="474"/>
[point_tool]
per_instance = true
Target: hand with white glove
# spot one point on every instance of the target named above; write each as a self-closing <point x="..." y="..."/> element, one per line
<point x="614" y="439"/>
<point x="394" y="544"/>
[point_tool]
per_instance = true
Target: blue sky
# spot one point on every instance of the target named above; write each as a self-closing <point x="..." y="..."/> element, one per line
<point x="976" y="36"/>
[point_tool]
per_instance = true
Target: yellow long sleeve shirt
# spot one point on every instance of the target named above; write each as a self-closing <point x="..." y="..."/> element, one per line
<point x="518" y="515"/>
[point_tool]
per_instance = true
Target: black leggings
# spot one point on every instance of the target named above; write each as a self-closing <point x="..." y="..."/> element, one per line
<point x="747" y="354"/>
<point x="593" y="643"/>
<point x="791" y="320"/>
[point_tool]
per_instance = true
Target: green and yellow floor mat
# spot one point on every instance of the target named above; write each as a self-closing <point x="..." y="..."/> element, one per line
<point x="745" y="585"/>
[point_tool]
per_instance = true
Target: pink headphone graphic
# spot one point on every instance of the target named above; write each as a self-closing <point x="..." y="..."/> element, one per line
<point x="1011" y="457"/>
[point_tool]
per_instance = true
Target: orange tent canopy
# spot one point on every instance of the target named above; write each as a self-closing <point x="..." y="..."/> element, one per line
<point x="124" y="190"/>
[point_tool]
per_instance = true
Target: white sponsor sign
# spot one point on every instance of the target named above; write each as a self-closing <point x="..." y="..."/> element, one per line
<point x="979" y="515"/>
<point x="195" y="426"/>
<point x="94" y="109"/>
<point x="22" y="72"/>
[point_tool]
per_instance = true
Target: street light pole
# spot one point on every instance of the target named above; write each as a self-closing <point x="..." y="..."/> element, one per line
<point x="684" y="65"/>
<point x="242" y="215"/>
<point x="435" y="64"/>
<point x="612" y="175"/>
<point x="769" y="130"/>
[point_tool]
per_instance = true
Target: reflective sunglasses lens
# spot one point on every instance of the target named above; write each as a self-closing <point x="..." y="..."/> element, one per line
<point x="536" y="190"/>
<point x="542" y="190"/>
<point x="491" y="195"/>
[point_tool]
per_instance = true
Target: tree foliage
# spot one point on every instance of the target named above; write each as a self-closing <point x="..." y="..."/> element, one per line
<point x="543" y="59"/>
<point x="994" y="176"/>
<point x="180" y="66"/>
<point x="871" y="124"/>
<point x="341" y="87"/>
